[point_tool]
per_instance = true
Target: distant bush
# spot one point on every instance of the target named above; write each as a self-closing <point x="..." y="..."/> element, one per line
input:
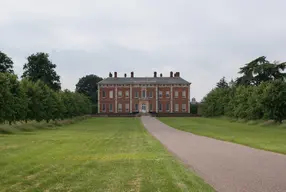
<point x="28" y="101"/>
<point x="250" y="102"/>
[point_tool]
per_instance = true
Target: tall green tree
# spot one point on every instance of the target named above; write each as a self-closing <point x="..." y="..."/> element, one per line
<point x="222" y="83"/>
<point x="261" y="70"/>
<point x="6" y="63"/>
<point x="87" y="85"/>
<point x="39" y="67"/>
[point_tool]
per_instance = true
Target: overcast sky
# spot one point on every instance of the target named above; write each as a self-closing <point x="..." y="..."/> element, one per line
<point x="203" y="39"/>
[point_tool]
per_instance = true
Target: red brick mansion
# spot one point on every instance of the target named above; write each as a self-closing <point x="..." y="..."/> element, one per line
<point x="144" y="94"/>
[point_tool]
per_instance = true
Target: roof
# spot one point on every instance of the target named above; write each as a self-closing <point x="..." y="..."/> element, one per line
<point x="143" y="80"/>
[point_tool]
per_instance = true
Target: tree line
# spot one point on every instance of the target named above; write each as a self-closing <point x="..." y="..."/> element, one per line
<point x="259" y="93"/>
<point x="38" y="95"/>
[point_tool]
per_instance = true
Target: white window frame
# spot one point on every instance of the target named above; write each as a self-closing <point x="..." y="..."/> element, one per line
<point x="136" y="106"/>
<point x="184" y="94"/>
<point x="167" y="107"/>
<point x="119" y="107"/>
<point x="136" y="94"/>
<point x="160" y="107"/>
<point x="144" y="92"/>
<point x="111" y="94"/>
<point x="110" y="107"/>
<point x="160" y="94"/>
<point x="103" y="94"/>
<point x="103" y="107"/>
<point x="126" y="107"/>
<point x="176" y="107"/>
<point x="127" y="94"/>
<point x="184" y="106"/>
<point x="119" y="94"/>
<point x="167" y="94"/>
<point x="176" y="94"/>
<point x="150" y="94"/>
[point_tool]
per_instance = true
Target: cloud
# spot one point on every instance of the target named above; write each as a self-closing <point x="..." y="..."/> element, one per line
<point x="204" y="40"/>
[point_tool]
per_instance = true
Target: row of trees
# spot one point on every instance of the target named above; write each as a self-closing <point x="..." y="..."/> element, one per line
<point x="260" y="93"/>
<point x="38" y="95"/>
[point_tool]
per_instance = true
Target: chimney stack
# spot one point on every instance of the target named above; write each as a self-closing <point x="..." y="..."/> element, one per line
<point x="178" y="74"/>
<point x="115" y="74"/>
<point x="132" y="74"/>
<point x="161" y="75"/>
<point x="171" y="74"/>
<point x="155" y="74"/>
<point x="110" y="74"/>
<point x="125" y="75"/>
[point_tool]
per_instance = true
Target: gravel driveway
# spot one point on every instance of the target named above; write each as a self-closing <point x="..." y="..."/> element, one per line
<point x="228" y="167"/>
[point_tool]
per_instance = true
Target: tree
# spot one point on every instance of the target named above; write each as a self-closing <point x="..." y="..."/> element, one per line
<point x="6" y="63"/>
<point x="261" y="70"/>
<point x="222" y="83"/>
<point x="13" y="100"/>
<point x="274" y="100"/>
<point x="87" y="85"/>
<point x="39" y="67"/>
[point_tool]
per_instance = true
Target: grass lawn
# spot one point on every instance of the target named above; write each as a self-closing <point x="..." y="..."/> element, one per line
<point x="99" y="154"/>
<point x="271" y="137"/>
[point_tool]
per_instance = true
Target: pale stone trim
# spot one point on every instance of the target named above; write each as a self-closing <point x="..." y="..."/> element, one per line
<point x="157" y="99"/>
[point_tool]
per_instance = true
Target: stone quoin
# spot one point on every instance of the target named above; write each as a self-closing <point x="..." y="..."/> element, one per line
<point x="144" y="94"/>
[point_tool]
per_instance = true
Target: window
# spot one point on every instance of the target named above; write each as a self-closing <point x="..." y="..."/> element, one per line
<point x="160" y="94"/>
<point x="150" y="94"/>
<point x="110" y="107"/>
<point x="144" y="93"/>
<point x="119" y="93"/>
<point x="160" y="106"/>
<point x="119" y="107"/>
<point x="184" y="107"/>
<point x="136" y="94"/>
<point x="150" y="107"/>
<point x="103" y="94"/>
<point x="167" y="94"/>
<point x="184" y="94"/>
<point x="126" y="93"/>
<point x="136" y="107"/>
<point x="127" y="107"/>
<point x="110" y="94"/>
<point x="176" y="94"/>
<point x="103" y="107"/>
<point x="176" y="107"/>
<point x="167" y="107"/>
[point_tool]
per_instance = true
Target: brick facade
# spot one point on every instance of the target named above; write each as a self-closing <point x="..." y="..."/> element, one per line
<point x="144" y="97"/>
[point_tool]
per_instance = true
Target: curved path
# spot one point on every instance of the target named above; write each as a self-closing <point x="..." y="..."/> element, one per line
<point x="228" y="167"/>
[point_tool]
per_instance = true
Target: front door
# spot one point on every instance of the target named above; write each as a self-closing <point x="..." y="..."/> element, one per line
<point x="143" y="108"/>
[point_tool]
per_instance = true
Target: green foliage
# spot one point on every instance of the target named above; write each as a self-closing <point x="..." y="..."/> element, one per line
<point x="39" y="67"/>
<point x="261" y="70"/>
<point x="87" y="85"/>
<point x="26" y="100"/>
<point x="259" y="94"/>
<point x="6" y="63"/>
<point x="194" y="108"/>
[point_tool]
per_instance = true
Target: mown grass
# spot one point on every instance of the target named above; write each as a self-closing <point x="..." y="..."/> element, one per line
<point x="98" y="154"/>
<point x="256" y="134"/>
<point x="34" y="126"/>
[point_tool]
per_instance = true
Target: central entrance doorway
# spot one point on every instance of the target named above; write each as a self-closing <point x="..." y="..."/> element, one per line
<point x="143" y="108"/>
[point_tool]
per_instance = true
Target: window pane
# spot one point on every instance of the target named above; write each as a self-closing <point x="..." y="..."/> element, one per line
<point x="110" y="94"/>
